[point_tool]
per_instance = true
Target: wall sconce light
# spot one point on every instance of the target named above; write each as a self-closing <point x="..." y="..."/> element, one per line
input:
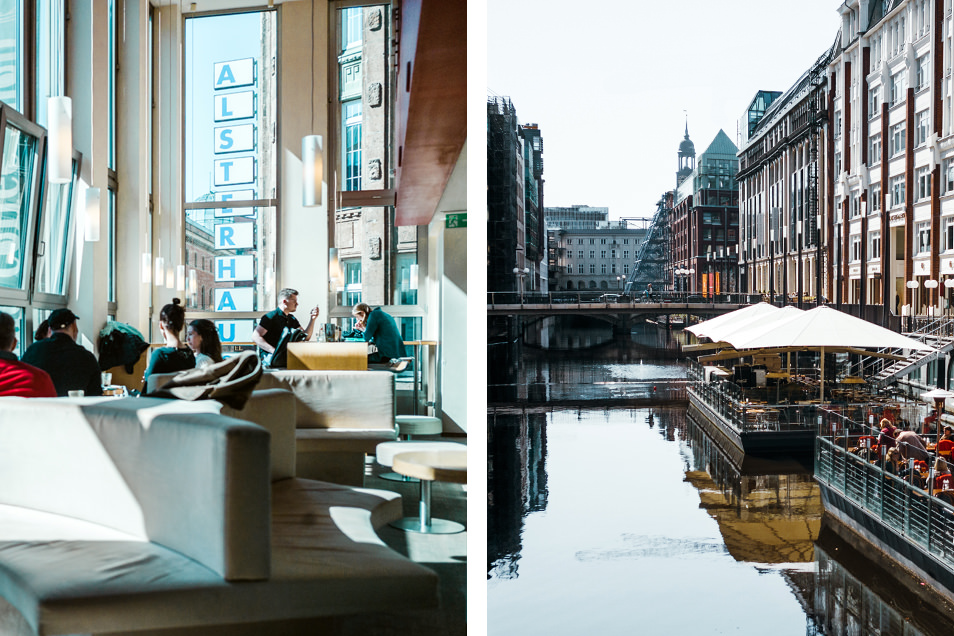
<point x="92" y="214"/>
<point x="60" y="140"/>
<point x="146" y="267"/>
<point x="160" y="278"/>
<point x="312" y="169"/>
<point x="334" y="268"/>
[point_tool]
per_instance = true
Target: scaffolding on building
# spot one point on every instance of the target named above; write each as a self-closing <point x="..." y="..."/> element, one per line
<point x="652" y="258"/>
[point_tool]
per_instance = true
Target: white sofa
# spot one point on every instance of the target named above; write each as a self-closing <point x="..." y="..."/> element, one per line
<point x="339" y="417"/>
<point x="118" y="515"/>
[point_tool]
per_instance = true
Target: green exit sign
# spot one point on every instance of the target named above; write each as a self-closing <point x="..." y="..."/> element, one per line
<point x="455" y="220"/>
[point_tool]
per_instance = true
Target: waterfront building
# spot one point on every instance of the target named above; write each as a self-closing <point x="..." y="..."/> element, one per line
<point x="781" y="185"/>
<point x="704" y="219"/>
<point x="892" y="158"/>
<point x="594" y="259"/>
<point x="516" y="236"/>
<point x="193" y="170"/>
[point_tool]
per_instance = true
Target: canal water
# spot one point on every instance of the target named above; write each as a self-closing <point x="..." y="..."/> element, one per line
<point x="610" y="511"/>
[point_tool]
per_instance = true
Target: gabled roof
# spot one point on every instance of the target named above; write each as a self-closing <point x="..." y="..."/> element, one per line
<point x="721" y="145"/>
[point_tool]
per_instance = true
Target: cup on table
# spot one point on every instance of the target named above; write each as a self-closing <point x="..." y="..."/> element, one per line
<point x="107" y="379"/>
<point x="76" y="393"/>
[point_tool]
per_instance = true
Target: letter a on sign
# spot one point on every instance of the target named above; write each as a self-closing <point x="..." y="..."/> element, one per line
<point x="234" y="73"/>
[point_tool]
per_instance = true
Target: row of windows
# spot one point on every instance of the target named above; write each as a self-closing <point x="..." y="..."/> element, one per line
<point x="625" y="254"/>
<point x="569" y="241"/>
<point x="592" y="268"/>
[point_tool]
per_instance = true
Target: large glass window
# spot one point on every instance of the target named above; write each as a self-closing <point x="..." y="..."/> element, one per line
<point x="50" y="79"/>
<point x="230" y="175"/>
<point x="922" y="237"/>
<point x="53" y="241"/>
<point x="11" y="53"/>
<point x="17" y="192"/>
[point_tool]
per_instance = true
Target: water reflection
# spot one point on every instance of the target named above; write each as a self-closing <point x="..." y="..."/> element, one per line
<point x="516" y="484"/>
<point x="769" y="510"/>
<point x="639" y="365"/>
<point x="854" y="596"/>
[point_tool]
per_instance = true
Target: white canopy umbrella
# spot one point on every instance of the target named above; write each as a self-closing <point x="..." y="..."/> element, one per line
<point x="767" y="325"/>
<point x="823" y="327"/>
<point x="715" y="327"/>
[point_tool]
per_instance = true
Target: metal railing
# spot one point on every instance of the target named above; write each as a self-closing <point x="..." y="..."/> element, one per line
<point x="610" y="297"/>
<point x="729" y="401"/>
<point x="910" y="510"/>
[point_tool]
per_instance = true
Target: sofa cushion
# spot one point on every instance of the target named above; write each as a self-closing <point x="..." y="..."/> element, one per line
<point x="326" y="560"/>
<point x="170" y="472"/>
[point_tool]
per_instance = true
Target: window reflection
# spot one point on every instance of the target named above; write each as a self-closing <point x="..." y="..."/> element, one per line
<point x="16" y="181"/>
<point x="11" y="53"/>
<point x="52" y="249"/>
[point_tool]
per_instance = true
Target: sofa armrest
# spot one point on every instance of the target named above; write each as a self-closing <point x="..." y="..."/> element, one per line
<point x="338" y="399"/>
<point x="173" y="472"/>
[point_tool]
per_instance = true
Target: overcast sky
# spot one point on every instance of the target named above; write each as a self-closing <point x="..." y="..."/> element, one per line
<point x="608" y="82"/>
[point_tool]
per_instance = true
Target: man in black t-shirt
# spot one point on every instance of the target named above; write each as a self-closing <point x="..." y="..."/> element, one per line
<point x="69" y="364"/>
<point x="272" y="325"/>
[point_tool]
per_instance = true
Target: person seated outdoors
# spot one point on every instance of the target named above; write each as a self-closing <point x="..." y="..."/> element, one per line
<point x="888" y="433"/>
<point x="173" y="356"/>
<point x="948" y="434"/>
<point x="380" y="330"/>
<point x="930" y="423"/>
<point x="70" y="365"/>
<point x="19" y="378"/>
<point x="203" y="338"/>
<point x="911" y="446"/>
<point x="893" y="463"/>
<point x="942" y="475"/>
<point x="272" y="325"/>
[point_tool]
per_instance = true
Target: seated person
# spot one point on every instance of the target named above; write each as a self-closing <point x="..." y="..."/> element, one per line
<point x="174" y="356"/>
<point x="911" y="445"/>
<point x="380" y="329"/>
<point x="203" y="338"/>
<point x="19" y="378"/>
<point x="70" y="365"/>
<point x="268" y="333"/>
<point x="888" y="433"/>
<point x="948" y="434"/>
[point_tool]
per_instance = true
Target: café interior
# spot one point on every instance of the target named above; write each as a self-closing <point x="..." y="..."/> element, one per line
<point x="217" y="152"/>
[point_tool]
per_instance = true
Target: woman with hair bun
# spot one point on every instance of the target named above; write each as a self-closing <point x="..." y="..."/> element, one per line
<point x="203" y="339"/>
<point x="174" y="356"/>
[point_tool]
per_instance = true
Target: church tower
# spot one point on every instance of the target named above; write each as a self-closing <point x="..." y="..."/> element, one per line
<point x="687" y="158"/>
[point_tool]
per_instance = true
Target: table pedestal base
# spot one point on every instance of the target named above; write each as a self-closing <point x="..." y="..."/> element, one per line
<point x="423" y="523"/>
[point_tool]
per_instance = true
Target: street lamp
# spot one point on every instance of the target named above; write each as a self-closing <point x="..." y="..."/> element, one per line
<point x="617" y="283"/>
<point x="912" y="285"/>
<point x="521" y="274"/>
<point x="931" y="284"/>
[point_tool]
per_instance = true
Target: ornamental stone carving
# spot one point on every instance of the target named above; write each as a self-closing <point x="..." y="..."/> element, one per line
<point x="374" y="20"/>
<point x="374" y="247"/>
<point x="374" y="169"/>
<point x="375" y="94"/>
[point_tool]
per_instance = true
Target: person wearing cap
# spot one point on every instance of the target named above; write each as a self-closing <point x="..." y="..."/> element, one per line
<point x="69" y="364"/>
<point x="16" y="377"/>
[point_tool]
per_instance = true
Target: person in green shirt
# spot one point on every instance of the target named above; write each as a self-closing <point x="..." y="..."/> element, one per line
<point x="380" y="329"/>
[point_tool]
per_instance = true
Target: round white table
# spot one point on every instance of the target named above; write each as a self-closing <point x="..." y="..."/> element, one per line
<point x="428" y="466"/>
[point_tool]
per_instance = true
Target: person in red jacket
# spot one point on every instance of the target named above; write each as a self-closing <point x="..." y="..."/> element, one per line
<point x="19" y="378"/>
